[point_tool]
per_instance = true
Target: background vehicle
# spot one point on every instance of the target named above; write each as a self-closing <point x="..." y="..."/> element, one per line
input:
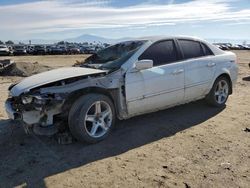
<point x="89" y="50"/>
<point x="30" y="49"/>
<point x="39" y="50"/>
<point x="224" y="47"/>
<point x="82" y="49"/>
<point x="48" y="49"/>
<point x="235" y="47"/>
<point x="58" y="50"/>
<point x="73" y="50"/>
<point x="4" y="50"/>
<point x="244" y="47"/>
<point x="122" y="81"/>
<point x="19" y="50"/>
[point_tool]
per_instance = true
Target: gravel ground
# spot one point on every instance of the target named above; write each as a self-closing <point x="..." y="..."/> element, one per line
<point x="192" y="145"/>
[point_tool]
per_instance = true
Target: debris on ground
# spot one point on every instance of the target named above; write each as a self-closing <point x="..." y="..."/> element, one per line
<point x="64" y="138"/>
<point x="78" y="63"/>
<point x="4" y="63"/>
<point x="186" y="185"/>
<point x="246" y="129"/>
<point x="21" y="68"/>
<point x="226" y="165"/>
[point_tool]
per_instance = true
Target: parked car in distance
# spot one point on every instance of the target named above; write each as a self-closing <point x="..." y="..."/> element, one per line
<point x="58" y="50"/>
<point x="89" y="50"/>
<point x="4" y="50"/>
<point x="224" y="47"/>
<point x="244" y="47"/>
<point x="124" y="80"/>
<point x="19" y="50"/>
<point x="234" y="47"/>
<point x="30" y="49"/>
<point x="73" y="50"/>
<point x="40" y="50"/>
<point x="82" y="49"/>
<point x="48" y="49"/>
<point x="217" y="45"/>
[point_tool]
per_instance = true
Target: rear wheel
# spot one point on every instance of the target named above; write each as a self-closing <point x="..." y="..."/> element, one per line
<point x="91" y="118"/>
<point x="219" y="93"/>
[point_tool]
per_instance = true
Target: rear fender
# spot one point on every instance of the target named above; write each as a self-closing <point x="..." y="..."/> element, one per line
<point x="222" y="72"/>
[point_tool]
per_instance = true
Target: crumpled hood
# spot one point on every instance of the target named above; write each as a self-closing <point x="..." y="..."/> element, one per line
<point x="51" y="76"/>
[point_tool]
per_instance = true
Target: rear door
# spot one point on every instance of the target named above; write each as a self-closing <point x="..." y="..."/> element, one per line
<point x="157" y="87"/>
<point x="199" y="68"/>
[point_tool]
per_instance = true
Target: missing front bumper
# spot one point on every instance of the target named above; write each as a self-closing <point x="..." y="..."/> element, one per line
<point x="12" y="114"/>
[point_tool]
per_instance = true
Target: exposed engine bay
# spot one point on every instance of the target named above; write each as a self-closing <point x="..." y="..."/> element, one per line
<point x="45" y="108"/>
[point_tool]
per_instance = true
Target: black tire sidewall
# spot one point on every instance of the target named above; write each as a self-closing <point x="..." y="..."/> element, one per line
<point x="77" y="117"/>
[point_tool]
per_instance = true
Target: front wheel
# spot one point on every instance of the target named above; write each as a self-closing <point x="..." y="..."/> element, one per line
<point x="219" y="93"/>
<point x="91" y="118"/>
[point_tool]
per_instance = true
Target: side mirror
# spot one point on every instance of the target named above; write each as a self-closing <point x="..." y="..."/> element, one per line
<point x="143" y="64"/>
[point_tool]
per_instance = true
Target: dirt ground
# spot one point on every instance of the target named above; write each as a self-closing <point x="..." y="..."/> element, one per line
<point x="48" y="60"/>
<point x="192" y="145"/>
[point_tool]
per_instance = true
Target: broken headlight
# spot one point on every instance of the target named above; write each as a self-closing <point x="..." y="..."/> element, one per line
<point x="26" y="99"/>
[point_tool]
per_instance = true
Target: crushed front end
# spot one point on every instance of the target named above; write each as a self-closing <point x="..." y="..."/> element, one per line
<point x="36" y="111"/>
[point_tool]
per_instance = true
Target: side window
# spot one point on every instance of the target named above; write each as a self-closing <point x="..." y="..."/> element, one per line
<point x="206" y="50"/>
<point x="191" y="49"/>
<point x="163" y="52"/>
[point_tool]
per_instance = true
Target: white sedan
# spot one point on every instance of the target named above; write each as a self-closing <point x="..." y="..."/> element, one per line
<point x="122" y="81"/>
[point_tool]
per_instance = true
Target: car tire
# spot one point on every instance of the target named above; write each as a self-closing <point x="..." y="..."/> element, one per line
<point x="91" y="118"/>
<point x="219" y="93"/>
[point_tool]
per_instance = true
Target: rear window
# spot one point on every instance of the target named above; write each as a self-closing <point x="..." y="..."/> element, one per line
<point x="191" y="49"/>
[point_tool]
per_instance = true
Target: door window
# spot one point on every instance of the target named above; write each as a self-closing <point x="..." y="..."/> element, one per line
<point x="163" y="52"/>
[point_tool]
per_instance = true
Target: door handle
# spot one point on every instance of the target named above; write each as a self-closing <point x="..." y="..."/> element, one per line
<point x="178" y="71"/>
<point x="211" y="64"/>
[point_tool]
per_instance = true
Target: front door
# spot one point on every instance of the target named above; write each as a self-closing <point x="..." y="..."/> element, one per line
<point x="158" y="87"/>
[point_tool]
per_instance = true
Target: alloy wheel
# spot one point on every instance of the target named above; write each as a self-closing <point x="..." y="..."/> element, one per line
<point x="221" y="91"/>
<point x="98" y="119"/>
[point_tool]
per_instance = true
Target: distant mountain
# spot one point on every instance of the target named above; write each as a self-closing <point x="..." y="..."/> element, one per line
<point x="91" y="39"/>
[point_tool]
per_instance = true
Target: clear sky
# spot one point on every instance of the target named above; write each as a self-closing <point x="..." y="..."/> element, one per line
<point x="61" y="19"/>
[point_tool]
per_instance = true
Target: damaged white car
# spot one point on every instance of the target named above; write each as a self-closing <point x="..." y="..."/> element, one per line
<point x="122" y="81"/>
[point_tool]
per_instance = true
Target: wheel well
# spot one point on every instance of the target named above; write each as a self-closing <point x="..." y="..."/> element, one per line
<point x="72" y="97"/>
<point x="225" y="75"/>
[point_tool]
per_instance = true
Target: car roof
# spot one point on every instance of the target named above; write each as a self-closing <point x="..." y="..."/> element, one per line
<point x="159" y="38"/>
